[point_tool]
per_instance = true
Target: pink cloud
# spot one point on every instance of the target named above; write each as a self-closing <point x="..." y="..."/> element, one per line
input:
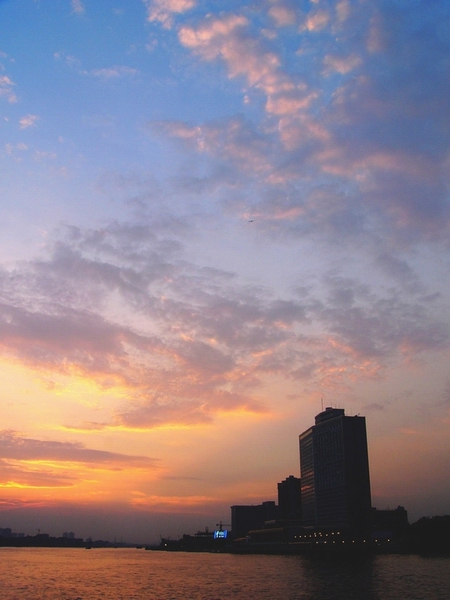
<point x="227" y="38"/>
<point x="316" y="21"/>
<point x="28" y="121"/>
<point x="6" y="89"/>
<point x="339" y="64"/>
<point x="234" y="139"/>
<point x="352" y="116"/>
<point x="14" y="446"/>
<point x="163" y="11"/>
<point x="195" y="343"/>
<point x="283" y="14"/>
<point x="343" y="10"/>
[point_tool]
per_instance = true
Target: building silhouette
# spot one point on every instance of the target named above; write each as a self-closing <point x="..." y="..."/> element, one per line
<point x="334" y="464"/>
<point x="390" y="523"/>
<point x="289" y="499"/>
<point x="244" y="518"/>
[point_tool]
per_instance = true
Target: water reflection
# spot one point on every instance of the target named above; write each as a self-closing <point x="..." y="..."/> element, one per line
<point x="50" y="574"/>
<point x="349" y="579"/>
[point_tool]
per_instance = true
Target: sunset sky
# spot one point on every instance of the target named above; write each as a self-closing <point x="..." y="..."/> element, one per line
<point x="215" y="217"/>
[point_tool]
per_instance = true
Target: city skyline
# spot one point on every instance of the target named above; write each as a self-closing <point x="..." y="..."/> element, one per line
<point x="214" y="221"/>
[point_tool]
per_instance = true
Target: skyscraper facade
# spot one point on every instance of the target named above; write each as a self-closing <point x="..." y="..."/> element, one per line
<point x="334" y="465"/>
<point x="290" y="499"/>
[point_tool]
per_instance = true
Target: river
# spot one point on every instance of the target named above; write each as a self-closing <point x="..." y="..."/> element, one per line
<point x="136" y="574"/>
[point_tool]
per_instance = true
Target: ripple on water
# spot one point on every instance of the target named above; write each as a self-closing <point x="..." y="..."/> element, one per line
<point x="130" y="574"/>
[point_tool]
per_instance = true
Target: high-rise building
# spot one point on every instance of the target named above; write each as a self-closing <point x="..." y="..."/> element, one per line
<point x="289" y="499"/>
<point x="334" y="465"/>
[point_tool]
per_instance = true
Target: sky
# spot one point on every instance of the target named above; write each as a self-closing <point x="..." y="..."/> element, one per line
<point x="216" y="218"/>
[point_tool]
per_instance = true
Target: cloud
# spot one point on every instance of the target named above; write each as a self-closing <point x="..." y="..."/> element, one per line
<point x="399" y="270"/>
<point x="32" y="463"/>
<point x="196" y="404"/>
<point x="18" y="503"/>
<point x="169" y="503"/>
<point x="86" y="426"/>
<point x="28" y="121"/>
<point x="47" y="341"/>
<point x="185" y="344"/>
<point x="16" y="150"/>
<point x="77" y="7"/>
<point x="105" y="73"/>
<point x="179" y="364"/>
<point x="343" y="10"/>
<point x="13" y="475"/>
<point x="283" y="14"/>
<point x="16" y="447"/>
<point x="229" y="39"/>
<point x="70" y="61"/>
<point x="317" y="20"/>
<point x="368" y="118"/>
<point x="6" y="89"/>
<point x="342" y="65"/>
<point x="113" y="72"/>
<point x="370" y="326"/>
<point x="234" y="139"/>
<point x="163" y="11"/>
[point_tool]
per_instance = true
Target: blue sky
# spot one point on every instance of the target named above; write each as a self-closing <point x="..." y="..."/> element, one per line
<point x="212" y="219"/>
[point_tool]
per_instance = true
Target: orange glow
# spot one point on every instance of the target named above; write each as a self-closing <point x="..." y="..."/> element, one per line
<point x="19" y="486"/>
<point x="170" y="503"/>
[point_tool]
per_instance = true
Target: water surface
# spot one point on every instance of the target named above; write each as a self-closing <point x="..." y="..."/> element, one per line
<point x="129" y="574"/>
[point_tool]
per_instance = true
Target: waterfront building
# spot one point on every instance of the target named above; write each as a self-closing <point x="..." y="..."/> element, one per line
<point x="289" y="499"/>
<point x="389" y="523"/>
<point x="247" y="517"/>
<point x="334" y="465"/>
